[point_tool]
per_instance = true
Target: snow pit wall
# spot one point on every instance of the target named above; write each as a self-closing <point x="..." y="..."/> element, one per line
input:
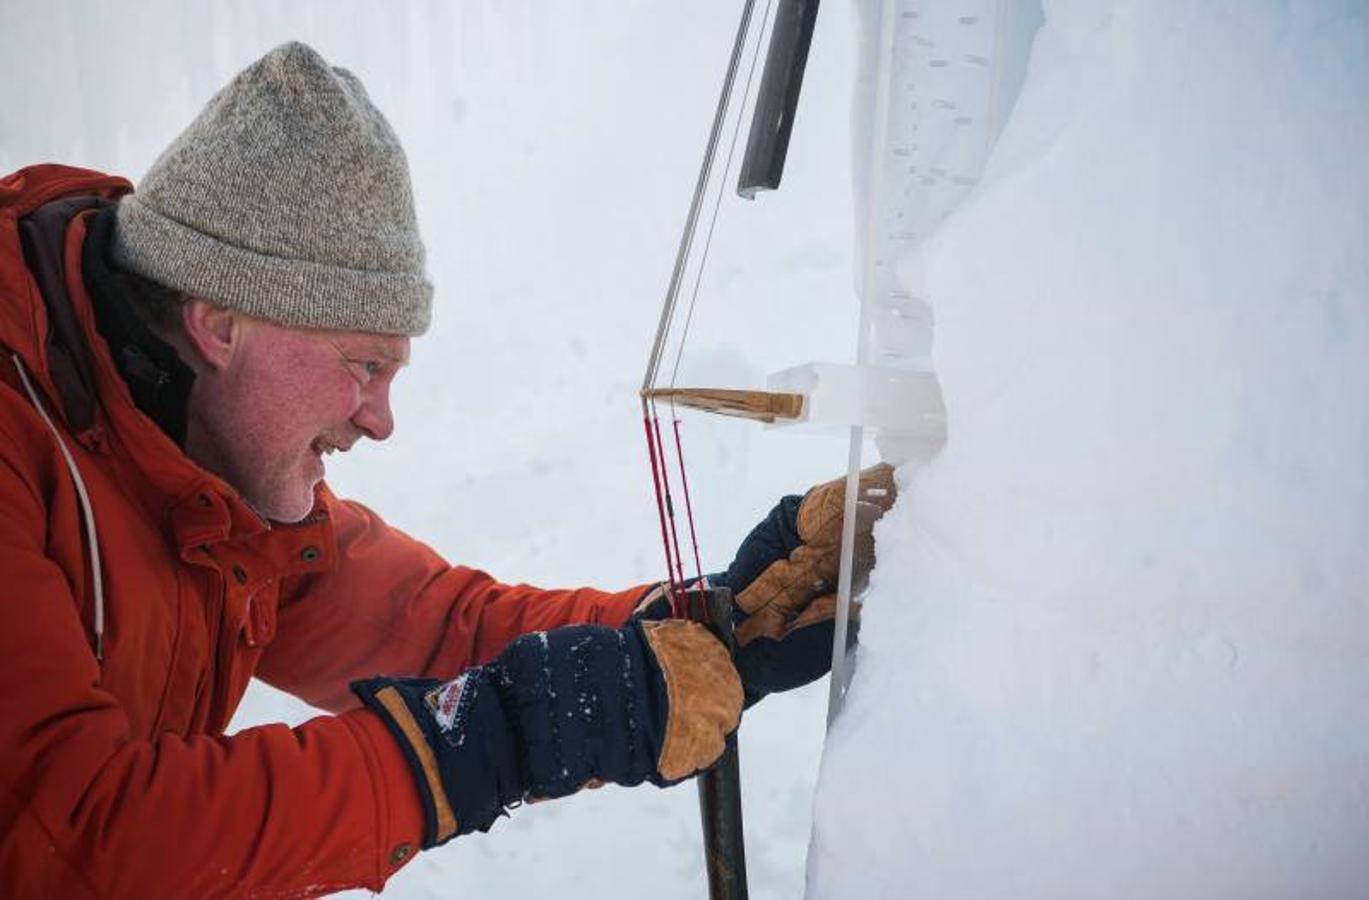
<point x="1117" y="644"/>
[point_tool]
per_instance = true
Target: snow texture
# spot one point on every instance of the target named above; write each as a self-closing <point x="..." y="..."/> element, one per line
<point x="1118" y="641"/>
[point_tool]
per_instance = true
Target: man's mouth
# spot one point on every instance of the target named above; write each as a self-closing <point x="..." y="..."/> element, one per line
<point x="322" y="446"/>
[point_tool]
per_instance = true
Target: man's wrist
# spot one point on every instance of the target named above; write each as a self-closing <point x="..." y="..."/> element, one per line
<point x="399" y="814"/>
<point x="457" y="742"/>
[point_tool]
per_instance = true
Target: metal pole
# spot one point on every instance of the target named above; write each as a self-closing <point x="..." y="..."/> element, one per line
<point x="720" y="788"/>
<point x="691" y="221"/>
<point x="840" y="677"/>
<point x="767" y="143"/>
<point x="720" y="803"/>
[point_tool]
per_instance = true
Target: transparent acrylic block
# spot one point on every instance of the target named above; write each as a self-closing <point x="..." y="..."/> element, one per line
<point x="897" y="403"/>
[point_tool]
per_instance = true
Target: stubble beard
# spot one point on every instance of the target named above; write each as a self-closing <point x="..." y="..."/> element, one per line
<point x="277" y="489"/>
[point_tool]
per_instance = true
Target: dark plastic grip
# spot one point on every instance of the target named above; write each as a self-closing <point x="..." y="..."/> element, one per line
<point x="767" y="144"/>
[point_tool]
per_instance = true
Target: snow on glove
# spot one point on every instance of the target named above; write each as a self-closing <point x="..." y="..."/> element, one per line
<point x="784" y="578"/>
<point x="557" y="711"/>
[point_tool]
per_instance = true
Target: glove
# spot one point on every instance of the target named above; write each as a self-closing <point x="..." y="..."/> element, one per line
<point x="557" y="711"/>
<point x="784" y="578"/>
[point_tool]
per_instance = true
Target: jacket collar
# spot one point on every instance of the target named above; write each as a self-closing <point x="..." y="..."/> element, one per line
<point x="23" y="314"/>
<point x="88" y="389"/>
<point x="158" y="381"/>
<point x="43" y="236"/>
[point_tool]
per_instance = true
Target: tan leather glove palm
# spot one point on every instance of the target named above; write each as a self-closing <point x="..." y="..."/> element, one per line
<point x="799" y="590"/>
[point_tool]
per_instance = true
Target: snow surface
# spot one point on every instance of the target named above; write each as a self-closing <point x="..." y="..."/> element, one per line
<point x="554" y="147"/>
<point x="1118" y="642"/>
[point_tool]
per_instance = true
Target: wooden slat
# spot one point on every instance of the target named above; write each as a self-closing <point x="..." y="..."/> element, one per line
<point x="759" y="406"/>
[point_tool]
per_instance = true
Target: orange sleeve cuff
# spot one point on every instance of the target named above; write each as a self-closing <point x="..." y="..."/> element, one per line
<point x="618" y="607"/>
<point x="399" y="809"/>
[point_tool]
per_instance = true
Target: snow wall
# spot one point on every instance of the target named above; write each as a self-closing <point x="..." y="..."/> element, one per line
<point x="1118" y="641"/>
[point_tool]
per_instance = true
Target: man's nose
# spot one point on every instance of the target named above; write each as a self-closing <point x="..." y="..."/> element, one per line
<point x="375" y="418"/>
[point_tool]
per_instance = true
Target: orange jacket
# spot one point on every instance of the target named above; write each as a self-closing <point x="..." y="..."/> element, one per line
<point x="116" y="778"/>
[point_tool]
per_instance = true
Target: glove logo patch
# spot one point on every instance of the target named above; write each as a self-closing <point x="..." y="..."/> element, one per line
<point x="444" y="701"/>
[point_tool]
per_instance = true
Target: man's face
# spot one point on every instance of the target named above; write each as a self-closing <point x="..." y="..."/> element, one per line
<point x="285" y="399"/>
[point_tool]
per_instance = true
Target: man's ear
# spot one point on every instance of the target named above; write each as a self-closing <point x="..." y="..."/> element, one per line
<point x="213" y="332"/>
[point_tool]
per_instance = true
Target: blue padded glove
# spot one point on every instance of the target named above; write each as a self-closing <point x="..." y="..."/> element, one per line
<point x="784" y="578"/>
<point x="559" y="710"/>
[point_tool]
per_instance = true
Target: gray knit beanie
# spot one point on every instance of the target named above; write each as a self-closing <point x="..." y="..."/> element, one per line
<point x="287" y="198"/>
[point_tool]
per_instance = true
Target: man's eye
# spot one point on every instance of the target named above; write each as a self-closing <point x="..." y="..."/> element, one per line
<point x="369" y="368"/>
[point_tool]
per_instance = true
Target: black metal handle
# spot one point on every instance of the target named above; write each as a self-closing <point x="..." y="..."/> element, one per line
<point x="720" y="788"/>
<point x="720" y="802"/>
<point x="778" y="97"/>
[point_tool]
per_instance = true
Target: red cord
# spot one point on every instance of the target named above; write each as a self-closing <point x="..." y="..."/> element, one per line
<point x="657" y="463"/>
<point x="677" y="576"/>
<point x="665" y="511"/>
<point x="689" y="508"/>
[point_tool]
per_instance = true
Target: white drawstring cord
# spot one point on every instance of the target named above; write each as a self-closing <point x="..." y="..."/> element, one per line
<point x="89" y="514"/>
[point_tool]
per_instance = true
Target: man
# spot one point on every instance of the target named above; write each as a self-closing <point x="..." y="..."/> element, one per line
<point x="174" y="365"/>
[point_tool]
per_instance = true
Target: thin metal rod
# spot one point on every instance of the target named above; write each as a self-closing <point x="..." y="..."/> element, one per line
<point x="717" y="204"/>
<point x="837" y="689"/>
<point x="691" y="222"/>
